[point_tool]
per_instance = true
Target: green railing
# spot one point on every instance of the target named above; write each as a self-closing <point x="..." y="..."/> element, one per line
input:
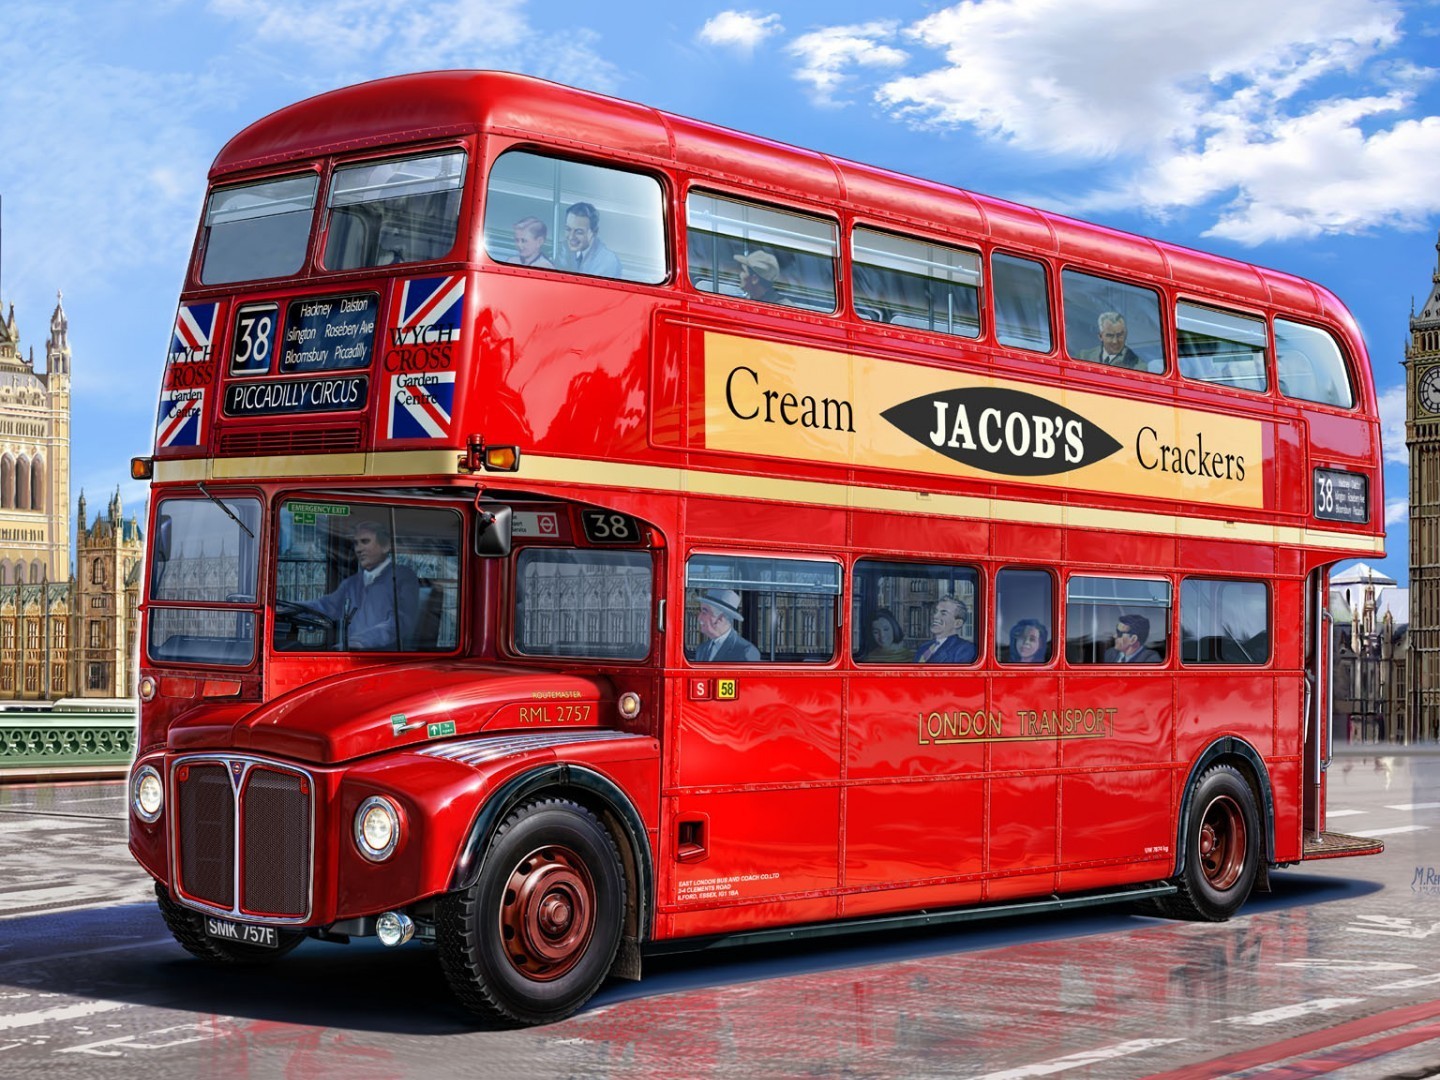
<point x="66" y="739"/>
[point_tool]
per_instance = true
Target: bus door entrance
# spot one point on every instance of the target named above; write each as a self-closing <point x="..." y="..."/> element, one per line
<point x="1318" y="692"/>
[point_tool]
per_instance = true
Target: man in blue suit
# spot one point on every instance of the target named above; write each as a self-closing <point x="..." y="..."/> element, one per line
<point x="364" y="606"/>
<point x="585" y="252"/>
<point x="946" y="646"/>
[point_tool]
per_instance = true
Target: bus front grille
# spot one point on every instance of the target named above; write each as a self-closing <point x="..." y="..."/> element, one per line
<point x="247" y="824"/>
<point x="300" y="441"/>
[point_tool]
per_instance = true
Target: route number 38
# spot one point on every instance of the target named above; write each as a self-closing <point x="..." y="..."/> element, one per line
<point x="608" y="527"/>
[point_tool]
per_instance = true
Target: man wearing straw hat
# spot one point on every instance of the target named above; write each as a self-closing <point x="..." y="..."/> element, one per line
<point x="719" y="612"/>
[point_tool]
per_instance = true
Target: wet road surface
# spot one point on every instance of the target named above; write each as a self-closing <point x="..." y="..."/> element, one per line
<point x="1334" y="973"/>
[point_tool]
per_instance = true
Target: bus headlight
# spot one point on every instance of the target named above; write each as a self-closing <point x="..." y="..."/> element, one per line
<point x="147" y="793"/>
<point x="377" y="828"/>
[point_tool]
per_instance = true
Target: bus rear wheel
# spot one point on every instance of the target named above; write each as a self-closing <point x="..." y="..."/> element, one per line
<point x="1222" y="848"/>
<point x="535" y="936"/>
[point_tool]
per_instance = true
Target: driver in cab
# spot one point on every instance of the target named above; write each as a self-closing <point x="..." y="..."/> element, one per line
<point x="363" y="607"/>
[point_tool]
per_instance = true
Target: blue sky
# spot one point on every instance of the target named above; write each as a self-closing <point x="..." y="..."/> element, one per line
<point x="1298" y="134"/>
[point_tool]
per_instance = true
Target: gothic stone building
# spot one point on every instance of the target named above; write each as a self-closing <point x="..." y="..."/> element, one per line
<point x="1422" y="436"/>
<point x="62" y="634"/>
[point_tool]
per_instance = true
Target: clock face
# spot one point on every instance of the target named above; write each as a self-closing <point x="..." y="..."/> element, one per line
<point x="1428" y="392"/>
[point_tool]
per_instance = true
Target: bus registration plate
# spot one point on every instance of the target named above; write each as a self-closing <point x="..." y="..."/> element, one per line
<point x="243" y="933"/>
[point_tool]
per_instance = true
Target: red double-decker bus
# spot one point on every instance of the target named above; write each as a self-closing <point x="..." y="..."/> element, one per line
<point x="579" y="531"/>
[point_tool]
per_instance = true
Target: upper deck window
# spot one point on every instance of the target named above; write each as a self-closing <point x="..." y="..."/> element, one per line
<point x="1221" y="347"/>
<point x="916" y="283"/>
<point x="259" y="230"/>
<point x="553" y="214"/>
<point x="395" y="211"/>
<point x="744" y="249"/>
<point x="1110" y="322"/>
<point x="1310" y="365"/>
<point x="1022" y="302"/>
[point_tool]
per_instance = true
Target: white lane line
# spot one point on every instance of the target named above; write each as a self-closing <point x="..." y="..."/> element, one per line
<point x="1290" y="1012"/>
<point x="1343" y="813"/>
<point x="1392" y="832"/>
<point x="50" y="958"/>
<point x="1415" y="806"/>
<point x="1411" y="984"/>
<point x="64" y="1012"/>
<point x="1076" y="1061"/>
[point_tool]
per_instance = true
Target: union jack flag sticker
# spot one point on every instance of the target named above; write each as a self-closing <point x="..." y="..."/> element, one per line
<point x="194" y="331"/>
<point x="181" y="414"/>
<point x="430" y="309"/>
<point x="421" y="406"/>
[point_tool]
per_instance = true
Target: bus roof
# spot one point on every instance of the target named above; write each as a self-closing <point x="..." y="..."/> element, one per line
<point x="431" y="105"/>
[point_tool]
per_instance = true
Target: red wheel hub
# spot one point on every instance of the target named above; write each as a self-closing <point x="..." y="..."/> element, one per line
<point x="547" y="914"/>
<point x="1223" y="842"/>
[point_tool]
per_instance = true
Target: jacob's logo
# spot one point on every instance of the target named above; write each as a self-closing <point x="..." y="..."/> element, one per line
<point x="1003" y="431"/>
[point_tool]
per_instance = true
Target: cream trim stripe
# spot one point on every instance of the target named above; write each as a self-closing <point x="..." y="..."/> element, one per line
<point x="733" y="485"/>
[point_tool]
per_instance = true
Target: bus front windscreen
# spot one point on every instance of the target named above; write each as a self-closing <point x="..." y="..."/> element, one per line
<point x="259" y="230"/>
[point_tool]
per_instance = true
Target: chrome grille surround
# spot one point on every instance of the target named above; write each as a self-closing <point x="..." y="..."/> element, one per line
<point x="191" y="841"/>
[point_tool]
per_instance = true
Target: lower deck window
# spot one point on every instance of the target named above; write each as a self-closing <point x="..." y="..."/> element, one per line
<point x="914" y="613"/>
<point x="740" y="609"/>
<point x="583" y="602"/>
<point x="1117" y="620"/>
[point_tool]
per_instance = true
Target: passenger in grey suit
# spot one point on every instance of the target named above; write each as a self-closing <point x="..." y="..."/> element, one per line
<point x="1112" y="349"/>
<point x="721" y="643"/>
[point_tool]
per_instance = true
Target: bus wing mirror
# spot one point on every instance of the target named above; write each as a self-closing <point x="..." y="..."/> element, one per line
<point x="492" y="532"/>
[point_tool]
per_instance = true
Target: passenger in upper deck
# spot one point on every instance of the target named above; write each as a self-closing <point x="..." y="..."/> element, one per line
<point x="1112" y="349"/>
<point x="530" y="236"/>
<point x="364" y="606"/>
<point x="585" y="252"/>
<point x="759" y="272"/>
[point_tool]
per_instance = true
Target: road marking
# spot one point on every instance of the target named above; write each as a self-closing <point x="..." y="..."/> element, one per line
<point x="1291" y="1012"/>
<point x="1411" y="984"/>
<point x="1400" y="829"/>
<point x="1343" y="813"/>
<point x="1347" y="965"/>
<point x="1415" y="806"/>
<point x="64" y="1012"/>
<point x="198" y="1032"/>
<point x="50" y="958"/>
<point x="1076" y="1061"/>
<point x="1390" y="926"/>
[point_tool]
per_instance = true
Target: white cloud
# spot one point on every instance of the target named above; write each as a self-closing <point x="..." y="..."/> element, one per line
<point x="1397" y="512"/>
<point x="741" y="30"/>
<point x="1392" y="424"/>
<point x="1181" y="105"/>
<point x="825" y="55"/>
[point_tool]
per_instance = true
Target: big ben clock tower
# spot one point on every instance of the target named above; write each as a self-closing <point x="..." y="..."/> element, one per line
<point x="1422" y="437"/>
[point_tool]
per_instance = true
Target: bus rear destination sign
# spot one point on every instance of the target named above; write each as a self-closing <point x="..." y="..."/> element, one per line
<point x="279" y="397"/>
<point x="333" y="333"/>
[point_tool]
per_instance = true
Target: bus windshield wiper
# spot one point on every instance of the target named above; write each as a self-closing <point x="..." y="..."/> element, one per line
<point x="231" y="513"/>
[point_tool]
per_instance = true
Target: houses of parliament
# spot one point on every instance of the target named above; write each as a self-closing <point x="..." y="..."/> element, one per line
<point x="64" y="631"/>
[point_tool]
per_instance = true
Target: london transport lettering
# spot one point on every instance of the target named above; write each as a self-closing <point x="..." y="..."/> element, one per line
<point x="948" y="726"/>
<point x="815" y="404"/>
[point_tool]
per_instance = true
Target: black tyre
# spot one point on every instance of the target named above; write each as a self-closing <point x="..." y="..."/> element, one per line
<point x="188" y="927"/>
<point x="536" y="934"/>
<point x="1222" y="848"/>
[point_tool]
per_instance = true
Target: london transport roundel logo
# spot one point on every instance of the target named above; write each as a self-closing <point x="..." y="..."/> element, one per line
<point x="1003" y="431"/>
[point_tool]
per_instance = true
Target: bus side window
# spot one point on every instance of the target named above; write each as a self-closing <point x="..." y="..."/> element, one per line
<point x="1110" y="322"/>
<point x="914" y="613"/>
<point x="1310" y="365"/>
<point x="551" y="213"/>
<point x="1111" y="620"/>
<point x="1224" y="622"/>
<point x="1022" y="302"/>
<point x="742" y="249"/>
<point x="744" y="609"/>
<point x="915" y="283"/>
<point x="1024" y="617"/>
<point x="1221" y="347"/>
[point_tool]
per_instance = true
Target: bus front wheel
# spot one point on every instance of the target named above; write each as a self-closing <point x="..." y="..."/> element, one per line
<point x="535" y="936"/>
<point x="1222" y="848"/>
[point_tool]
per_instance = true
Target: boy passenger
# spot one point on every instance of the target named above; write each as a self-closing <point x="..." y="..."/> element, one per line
<point x="530" y="236"/>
